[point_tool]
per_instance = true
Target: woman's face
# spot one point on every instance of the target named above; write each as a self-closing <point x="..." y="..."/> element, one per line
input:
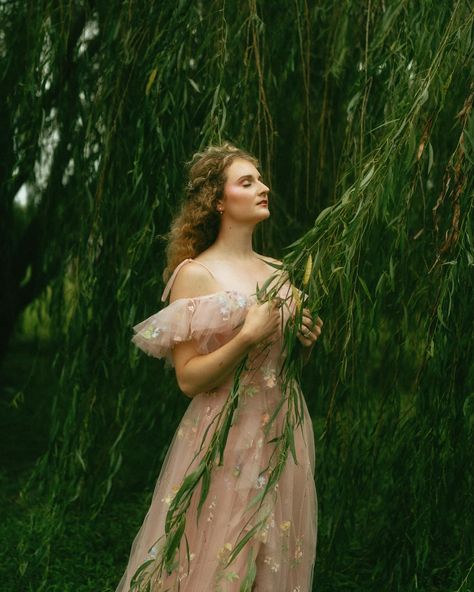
<point x="245" y="195"/>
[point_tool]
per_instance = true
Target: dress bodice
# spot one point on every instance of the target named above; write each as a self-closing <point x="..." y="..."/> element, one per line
<point x="210" y="320"/>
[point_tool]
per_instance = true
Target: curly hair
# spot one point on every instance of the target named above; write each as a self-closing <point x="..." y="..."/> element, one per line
<point x="196" y="225"/>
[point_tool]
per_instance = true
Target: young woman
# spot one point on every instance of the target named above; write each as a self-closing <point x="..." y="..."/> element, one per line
<point x="213" y="320"/>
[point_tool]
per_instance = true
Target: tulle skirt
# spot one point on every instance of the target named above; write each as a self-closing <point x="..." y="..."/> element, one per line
<point x="281" y="552"/>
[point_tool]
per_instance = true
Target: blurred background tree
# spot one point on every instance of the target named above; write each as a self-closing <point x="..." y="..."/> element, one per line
<point x="361" y="115"/>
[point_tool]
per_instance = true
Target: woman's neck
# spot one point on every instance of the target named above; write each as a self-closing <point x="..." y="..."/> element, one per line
<point x="235" y="243"/>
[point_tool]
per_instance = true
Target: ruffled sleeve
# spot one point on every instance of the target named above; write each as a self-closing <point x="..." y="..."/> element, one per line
<point x="207" y="320"/>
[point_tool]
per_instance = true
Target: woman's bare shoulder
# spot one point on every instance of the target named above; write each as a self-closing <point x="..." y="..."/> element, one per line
<point x="192" y="281"/>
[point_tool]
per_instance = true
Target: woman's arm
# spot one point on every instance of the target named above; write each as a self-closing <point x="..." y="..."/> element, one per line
<point x="197" y="373"/>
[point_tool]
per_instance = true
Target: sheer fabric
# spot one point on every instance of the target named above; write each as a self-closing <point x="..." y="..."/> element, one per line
<point x="284" y="548"/>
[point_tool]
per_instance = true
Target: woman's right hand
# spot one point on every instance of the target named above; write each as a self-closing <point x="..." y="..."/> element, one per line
<point x="262" y="321"/>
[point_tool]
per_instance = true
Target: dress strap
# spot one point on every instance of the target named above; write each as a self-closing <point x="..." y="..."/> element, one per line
<point x="170" y="282"/>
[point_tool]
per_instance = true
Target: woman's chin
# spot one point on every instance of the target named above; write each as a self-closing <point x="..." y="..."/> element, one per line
<point x="263" y="216"/>
<point x="256" y="218"/>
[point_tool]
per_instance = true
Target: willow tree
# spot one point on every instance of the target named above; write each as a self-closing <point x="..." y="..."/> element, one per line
<point x="360" y="113"/>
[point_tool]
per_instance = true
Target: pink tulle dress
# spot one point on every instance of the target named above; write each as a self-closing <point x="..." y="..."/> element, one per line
<point x="283" y="550"/>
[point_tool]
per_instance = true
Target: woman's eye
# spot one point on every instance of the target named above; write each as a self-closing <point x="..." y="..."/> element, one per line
<point x="246" y="184"/>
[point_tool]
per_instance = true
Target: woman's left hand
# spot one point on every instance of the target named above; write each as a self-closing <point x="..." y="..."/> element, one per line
<point x="310" y="330"/>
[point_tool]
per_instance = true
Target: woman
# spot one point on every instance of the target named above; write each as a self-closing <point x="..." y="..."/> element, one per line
<point x="213" y="322"/>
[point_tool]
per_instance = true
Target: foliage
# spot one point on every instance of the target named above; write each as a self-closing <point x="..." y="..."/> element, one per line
<point x="361" y="114"/>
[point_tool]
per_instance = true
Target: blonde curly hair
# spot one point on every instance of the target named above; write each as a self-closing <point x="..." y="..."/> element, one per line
<point x="197" y="223"/>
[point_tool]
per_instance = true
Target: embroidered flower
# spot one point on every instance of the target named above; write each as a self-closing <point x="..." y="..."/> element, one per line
<point x="192" y="422"/>
<point x="274" y="566"/>
<point x="261" y="480"/>
<point x="150" y="332"/>
<point x="269" y="375"/>
<point x="231" y="576"/>
<point x="224" y="552"/>
<point x="284" y="526"/>
<point x="169" y="498"/>
<point x="211" y="507"/>
<point x="241" y="300"/>
<point x="264" y="419"/>
<point x="225" y="308"/>
<point x="298" y="551"/>
<point x="236" y="470"/>
<point x="250" y="391"/>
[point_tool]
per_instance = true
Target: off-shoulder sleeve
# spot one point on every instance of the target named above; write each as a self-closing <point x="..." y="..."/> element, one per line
<point x="204" y="319"/>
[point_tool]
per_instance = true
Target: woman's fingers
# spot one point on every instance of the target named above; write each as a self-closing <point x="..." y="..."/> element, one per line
<point x="309" y="331"/>
<point x="307" y="320"/>
<point x="306" y="340"/>
<point x="278" y="301"/>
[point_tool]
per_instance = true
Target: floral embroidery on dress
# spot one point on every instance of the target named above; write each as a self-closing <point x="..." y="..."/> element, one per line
<point x="151" y="331"/>
<point x="169" y="498"/>
<point x="250" y="390"/>
<point x="269" y="375"/>
<point x="236" y="470"/>
<point x="285" y="525"/>
<point x="241" y="300"/>
<point x="211" y="508"/>
<point x="298" y="552"/>
<point x="274" y="566"/>
<point x="285" y="535"/>
<point x="190" y="425"/>
<point x="225" y="308"/>
<point x="229" y="576"/>
<point x="224" y="552"/>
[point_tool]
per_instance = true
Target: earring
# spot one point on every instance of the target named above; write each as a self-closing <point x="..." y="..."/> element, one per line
<point x="220" y="211"/>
